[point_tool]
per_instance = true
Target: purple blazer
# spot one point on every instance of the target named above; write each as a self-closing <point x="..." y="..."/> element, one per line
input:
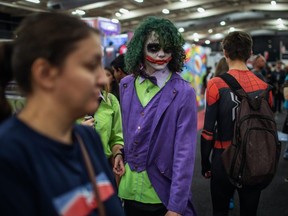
<point x="172" y="146"/>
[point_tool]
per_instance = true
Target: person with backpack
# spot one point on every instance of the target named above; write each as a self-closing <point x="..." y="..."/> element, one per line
<point x="221" y="109"/>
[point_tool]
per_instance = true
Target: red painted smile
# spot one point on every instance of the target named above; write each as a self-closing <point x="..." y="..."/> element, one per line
<point x="159" y="62"/>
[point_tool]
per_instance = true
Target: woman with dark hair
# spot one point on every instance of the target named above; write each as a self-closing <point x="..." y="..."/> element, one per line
<point x="49" y="165"/>
<point x="112" y="82"/>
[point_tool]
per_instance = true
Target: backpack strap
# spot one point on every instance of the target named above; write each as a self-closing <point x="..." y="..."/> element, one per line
<point x="234" y="85"/>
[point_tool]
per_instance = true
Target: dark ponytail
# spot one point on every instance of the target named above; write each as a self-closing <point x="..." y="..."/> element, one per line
<point x="6" y="75"/>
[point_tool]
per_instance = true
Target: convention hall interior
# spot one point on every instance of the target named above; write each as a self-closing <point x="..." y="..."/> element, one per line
<point x="203" y="24"/>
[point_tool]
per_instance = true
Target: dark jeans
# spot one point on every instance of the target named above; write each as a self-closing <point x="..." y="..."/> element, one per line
<point x="133" y="208"/>
<point x="222" y="190"/>
<point x="278" y="99"/>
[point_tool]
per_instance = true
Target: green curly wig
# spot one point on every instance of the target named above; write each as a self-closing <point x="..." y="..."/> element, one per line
<point x="169" y="37"/>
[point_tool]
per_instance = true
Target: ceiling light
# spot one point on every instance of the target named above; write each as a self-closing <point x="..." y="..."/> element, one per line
<point x="181" y="30"/>
<point x="115" y="20"/>
<point x="218" y="35"/>
<point x="165" y="11"/>
<point x="139" y="1"/>
<point x="231" y="29"/>
<point x="196" y="39"/>
<point x="201" y="10"/>
<point x="34" y="1"/>
<point x="124" y="11"/>
<point x="183" y="0"/>
<point x="273" y="3"/>
<point x="281" y="26"/>
<point x="279" y="20"/>
<point x="210" y="31"/>
<point x="195" y="34"/>
<point x="207" y="42"/>
<point x="222" y="23"/>
<point x="78" y="12"/>
<point x="118" y="14"/>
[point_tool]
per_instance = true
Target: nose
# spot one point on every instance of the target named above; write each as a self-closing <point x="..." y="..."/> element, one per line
<point x="101" y="78"/>
<point x="161" y="53"/>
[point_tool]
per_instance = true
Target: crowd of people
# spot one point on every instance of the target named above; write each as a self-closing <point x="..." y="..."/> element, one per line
<point x="52" y="161"/>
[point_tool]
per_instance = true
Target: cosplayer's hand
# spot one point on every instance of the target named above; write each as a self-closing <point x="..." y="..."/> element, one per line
<point x="207" y="174"/>
<point x="119" y="168"/>
<point x="171" y="213"/>
<point x="89" y="122"/>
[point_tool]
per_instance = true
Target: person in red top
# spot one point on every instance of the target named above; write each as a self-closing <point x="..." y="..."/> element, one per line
<point x="221" y="106"/>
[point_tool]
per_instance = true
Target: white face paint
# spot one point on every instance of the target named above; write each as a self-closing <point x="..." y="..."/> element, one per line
<point x="155" y="57"/>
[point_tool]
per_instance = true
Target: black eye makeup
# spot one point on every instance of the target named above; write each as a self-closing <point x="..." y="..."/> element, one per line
<point x="155" y="47"/>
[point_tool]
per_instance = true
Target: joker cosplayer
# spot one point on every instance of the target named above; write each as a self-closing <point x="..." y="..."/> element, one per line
<point x="159" y="124"/>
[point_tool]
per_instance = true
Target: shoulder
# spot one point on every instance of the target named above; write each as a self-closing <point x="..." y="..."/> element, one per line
<point x="10" y="131"/>
<point x="89" y="135"/>
<point x="14" y="145"/>
<point x="113" y="99"/>
<point x="182" y="87"/>
<point x="217" y="82"/>
<point x="178" y="82"/>
<point x="127" y="79"/>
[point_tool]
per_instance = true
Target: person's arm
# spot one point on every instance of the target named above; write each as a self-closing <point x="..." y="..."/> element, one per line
<point x="207" y="135"/>
<point x="116" y="139"/>
<point x="184" y="152"/>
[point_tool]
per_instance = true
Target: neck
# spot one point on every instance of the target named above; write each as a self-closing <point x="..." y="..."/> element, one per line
<point x="237" y="64"/>
<point x="151" y="71"/>
<point x="47" y="121"/>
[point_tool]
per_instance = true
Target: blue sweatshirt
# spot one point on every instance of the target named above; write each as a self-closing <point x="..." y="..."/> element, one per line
<point x="41" y="176"/>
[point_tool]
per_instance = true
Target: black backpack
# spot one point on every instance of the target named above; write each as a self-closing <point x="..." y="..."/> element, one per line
<point x="253" y="155"/>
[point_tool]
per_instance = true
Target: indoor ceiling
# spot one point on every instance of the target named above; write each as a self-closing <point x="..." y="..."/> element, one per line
<point x="197" y="19"/>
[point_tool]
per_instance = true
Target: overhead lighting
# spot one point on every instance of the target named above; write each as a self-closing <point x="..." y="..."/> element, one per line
<point x="279" y="20"/>
<point x="165" y="11"/>
<point x="201" y="10"/>
<point x="281" y="26"/>
<point x="196" y="39"/>
<point x="207" y="42"/>
<point x="222" y="23"/>
<point x="139" y="1"/>
<point x="78" y="12"/>
<point x="115" y="20"/>
<point x="218" y="35"/>
<point x="195" y="34"/>
<point x="273" y="2"/>
<point x="181" y="29"/>
<point x="118" y="14"/>
<point x="183" y="0"/>
<point x="231" y="29"/>
<point x="210" y="31"/>
<point x="34" y="1"/>
<point x="124" y="11"/>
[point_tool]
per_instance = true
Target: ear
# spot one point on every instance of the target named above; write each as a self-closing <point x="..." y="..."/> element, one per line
<point x="43" y="73"/>
<point x="225" y="54"/>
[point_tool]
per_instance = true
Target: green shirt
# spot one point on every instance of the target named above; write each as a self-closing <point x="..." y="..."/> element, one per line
<point x="133" y="185"/>
<point x="108" y="123"/>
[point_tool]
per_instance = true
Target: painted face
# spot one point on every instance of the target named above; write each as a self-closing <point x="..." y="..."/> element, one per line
<point x="156" y="57"/>
<point x="78" y="87"/>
